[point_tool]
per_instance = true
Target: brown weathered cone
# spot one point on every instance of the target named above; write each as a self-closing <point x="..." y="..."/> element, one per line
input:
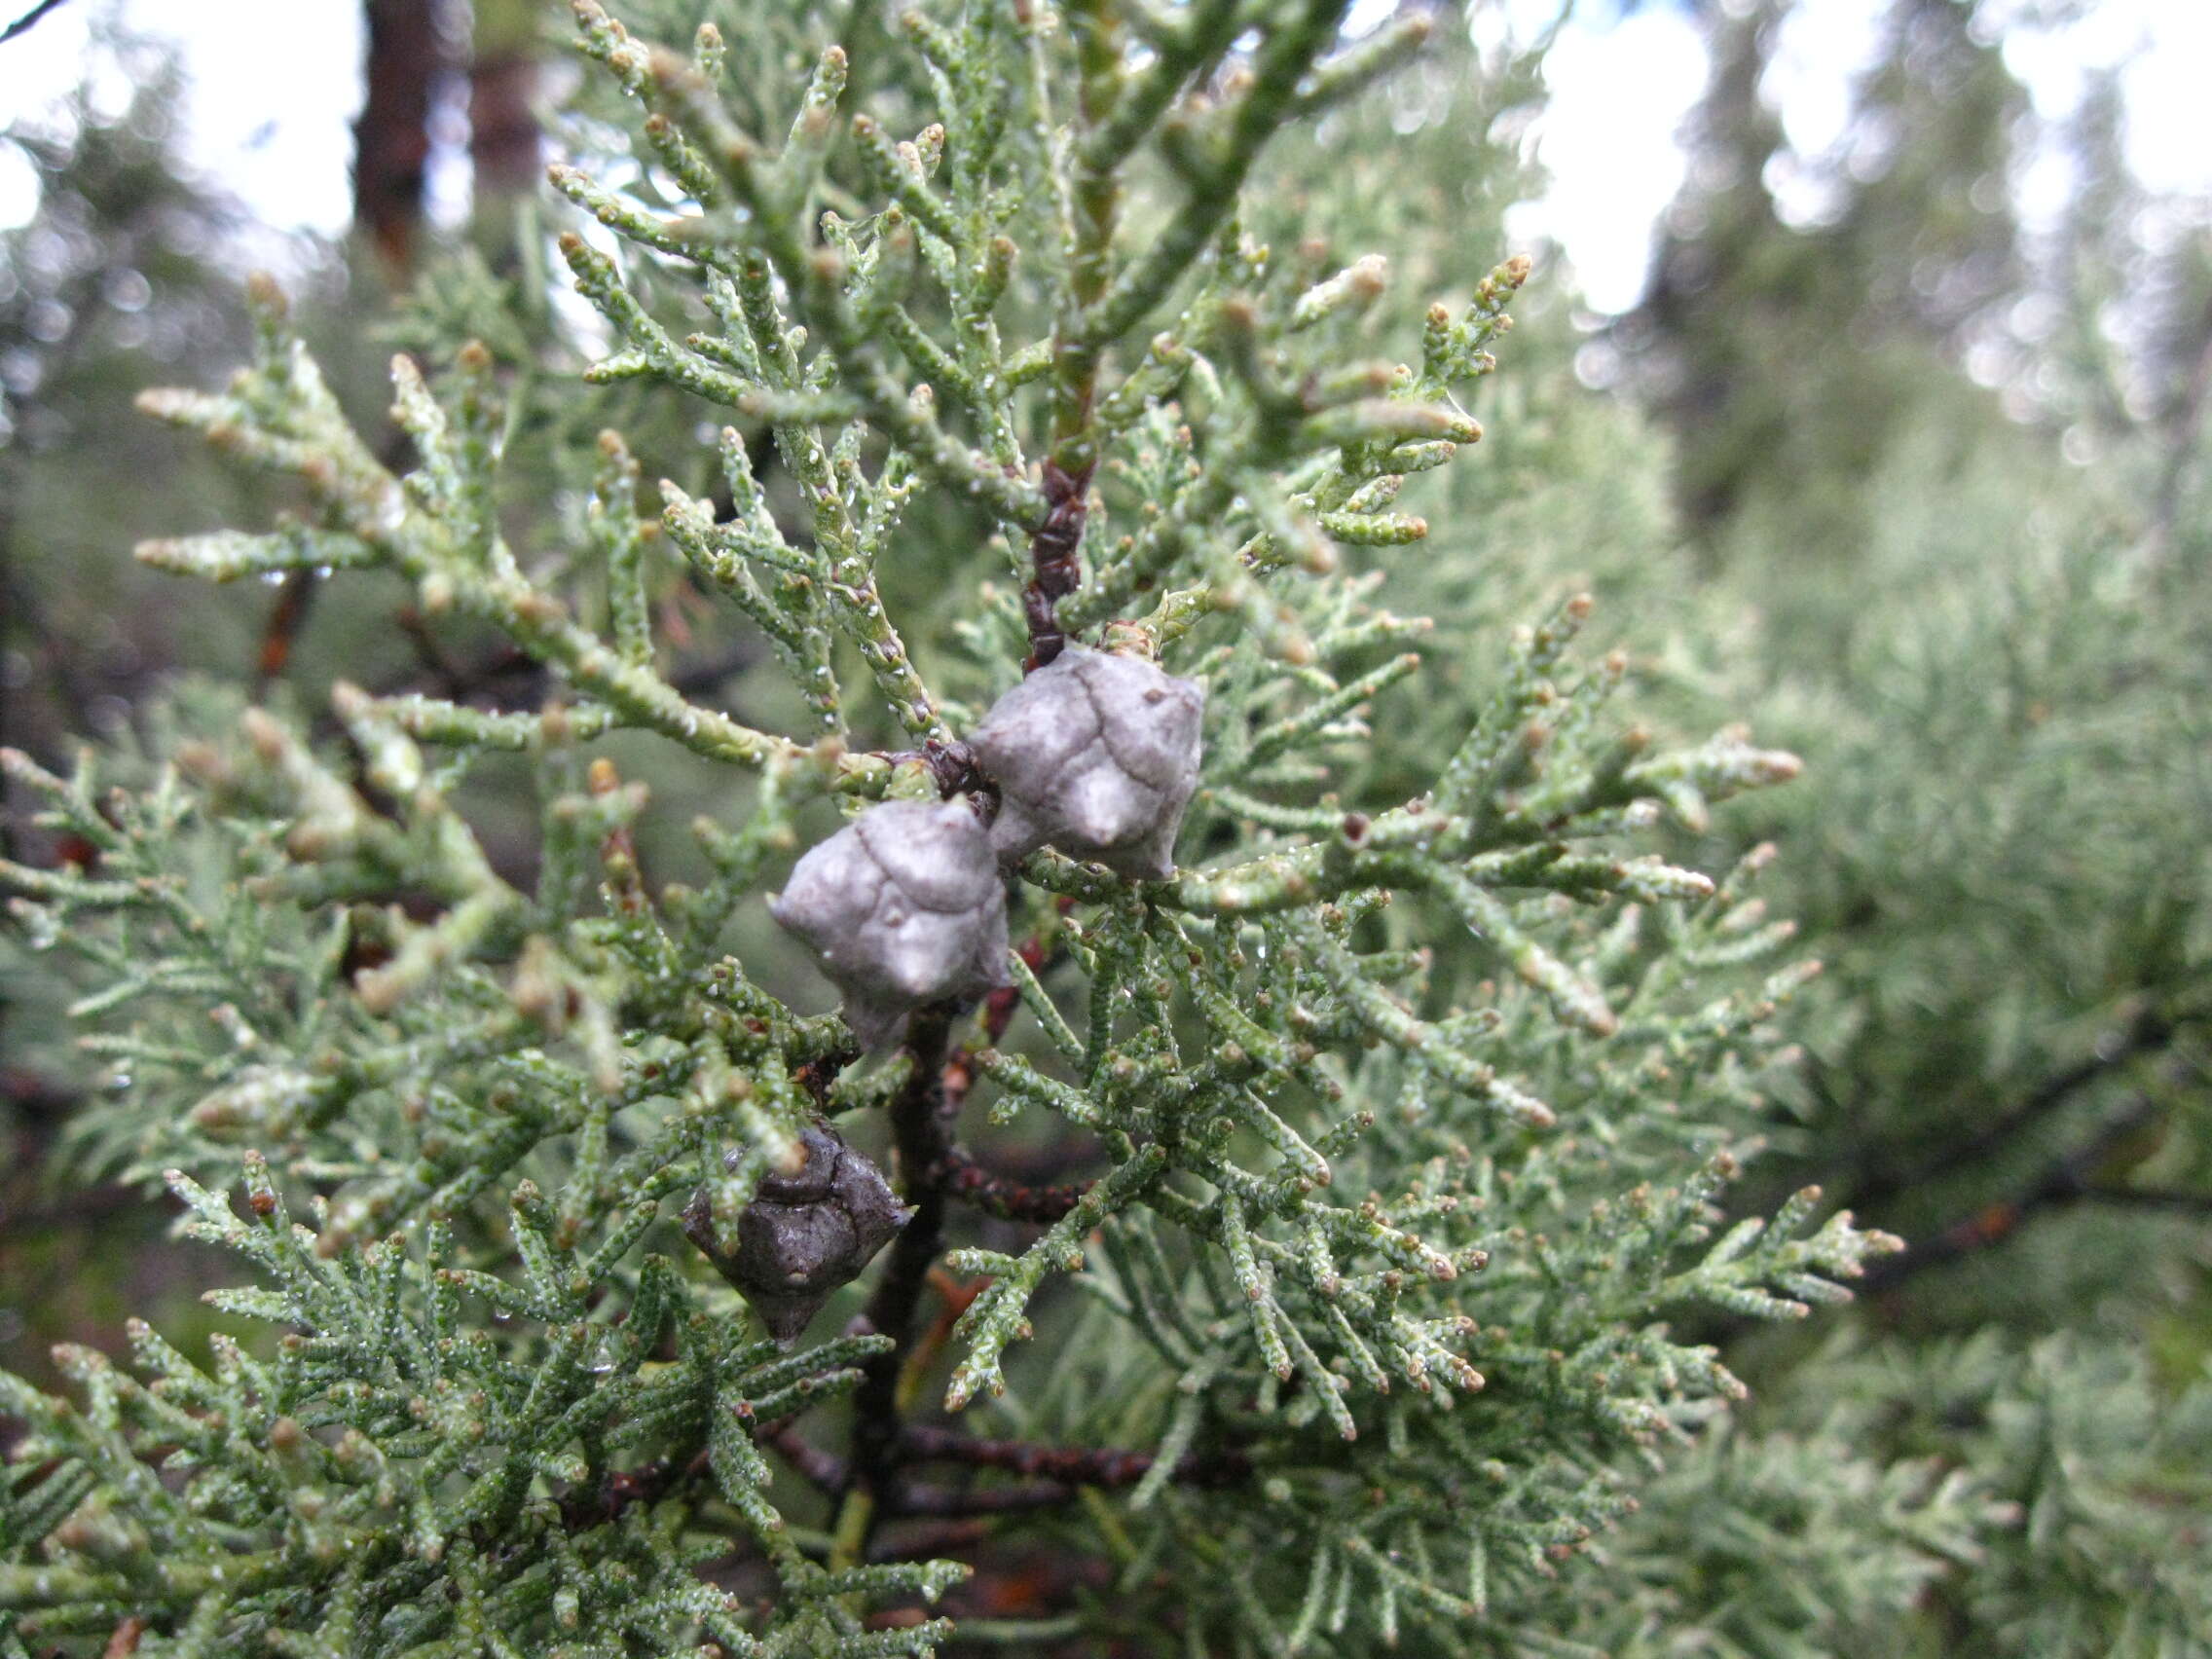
<point x="903" y="906"/>
<point x="804" y="1233"/>
<point x="1096" y="755"/>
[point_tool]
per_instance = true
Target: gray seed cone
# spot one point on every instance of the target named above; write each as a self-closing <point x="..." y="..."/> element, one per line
<point x="903" y="906"/>
<point x="804" y="1233"/>
<point x="1096" y="755"/>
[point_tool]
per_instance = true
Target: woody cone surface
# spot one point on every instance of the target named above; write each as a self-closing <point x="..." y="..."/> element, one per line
<point x="804" y="1233"/>
<point x="1096" y="754"/>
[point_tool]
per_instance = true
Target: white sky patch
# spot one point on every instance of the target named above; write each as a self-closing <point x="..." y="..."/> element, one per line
<point x="1607" y="139"/>
<point x="272" y="90"/>
<point x="1820" y="49"/>
<point x="18" y="188"/>
<point x="2169" y="136"/>
<point x="273" y="122"/>
<point x="1819" y="52"/>
<point x="2163" y="51"/>
<point x="1612" y="138"/>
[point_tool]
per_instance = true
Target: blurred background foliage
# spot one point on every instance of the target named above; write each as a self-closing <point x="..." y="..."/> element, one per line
<point x="1918" y="489"/>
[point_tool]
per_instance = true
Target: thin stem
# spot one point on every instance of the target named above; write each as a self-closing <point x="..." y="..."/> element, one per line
<point x="920" y="1137"/>
<point x="959" y="1176"/>
<point x="1055" y="545"/>
<point x="1077" y="1466"/>
<point x="2148" y="1031"/>
<point x="1217" y="180"/>
<point x="2063" y="1182"/>
<point x="1096" y="197"/>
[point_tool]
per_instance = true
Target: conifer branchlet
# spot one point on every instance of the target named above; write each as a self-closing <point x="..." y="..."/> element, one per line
<point x="1382" y="1130"/>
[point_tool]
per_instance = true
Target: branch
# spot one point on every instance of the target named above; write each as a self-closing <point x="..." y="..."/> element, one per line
<point x="1075" y="1465"/>
<point x="2149" y="1031"/>
<point x="24" y="24"/>
<point x="920" y="1135"/>
<point x="1055" y="1473"/>
<point x="582" y="1510"/>
<point x="823" y="1469"/>
<point x="1055" y="558"/>
<point x="37" y="1096"/>
<point x="939" y="1502"/>
<point x="2064" y="1181"/>
<point x="999" y="1006"/>
<point x="957" y="1175"/>
<point x="2180" y="441"/>
<point x="2176" y="1198"/>
<point x="1093" y="202"/>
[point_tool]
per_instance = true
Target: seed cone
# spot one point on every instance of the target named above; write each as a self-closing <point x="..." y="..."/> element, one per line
<point x="903" y="906"/>
<point x="804" y="1233"/>
<point x="1096" y="755"/>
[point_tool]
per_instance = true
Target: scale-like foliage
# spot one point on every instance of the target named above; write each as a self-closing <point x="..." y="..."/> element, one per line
<point x="1396" y="1115"/>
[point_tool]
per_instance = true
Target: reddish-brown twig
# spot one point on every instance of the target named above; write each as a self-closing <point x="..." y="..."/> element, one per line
<point x="2065" y="1181"/>
<point x="920" y="1135"/>
<point x="1055" y="561"/>
<point x="1072" y="1466"/>
<point x="581" y="1509"/>
<point x="958" y="1175"/>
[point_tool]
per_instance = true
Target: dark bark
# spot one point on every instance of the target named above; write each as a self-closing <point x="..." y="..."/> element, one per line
<point x="922" y="1138"/>
<point x="391" y="136"/>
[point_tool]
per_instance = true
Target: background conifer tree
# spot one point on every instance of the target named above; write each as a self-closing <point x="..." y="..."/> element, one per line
<point x="1978" y="613"/>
